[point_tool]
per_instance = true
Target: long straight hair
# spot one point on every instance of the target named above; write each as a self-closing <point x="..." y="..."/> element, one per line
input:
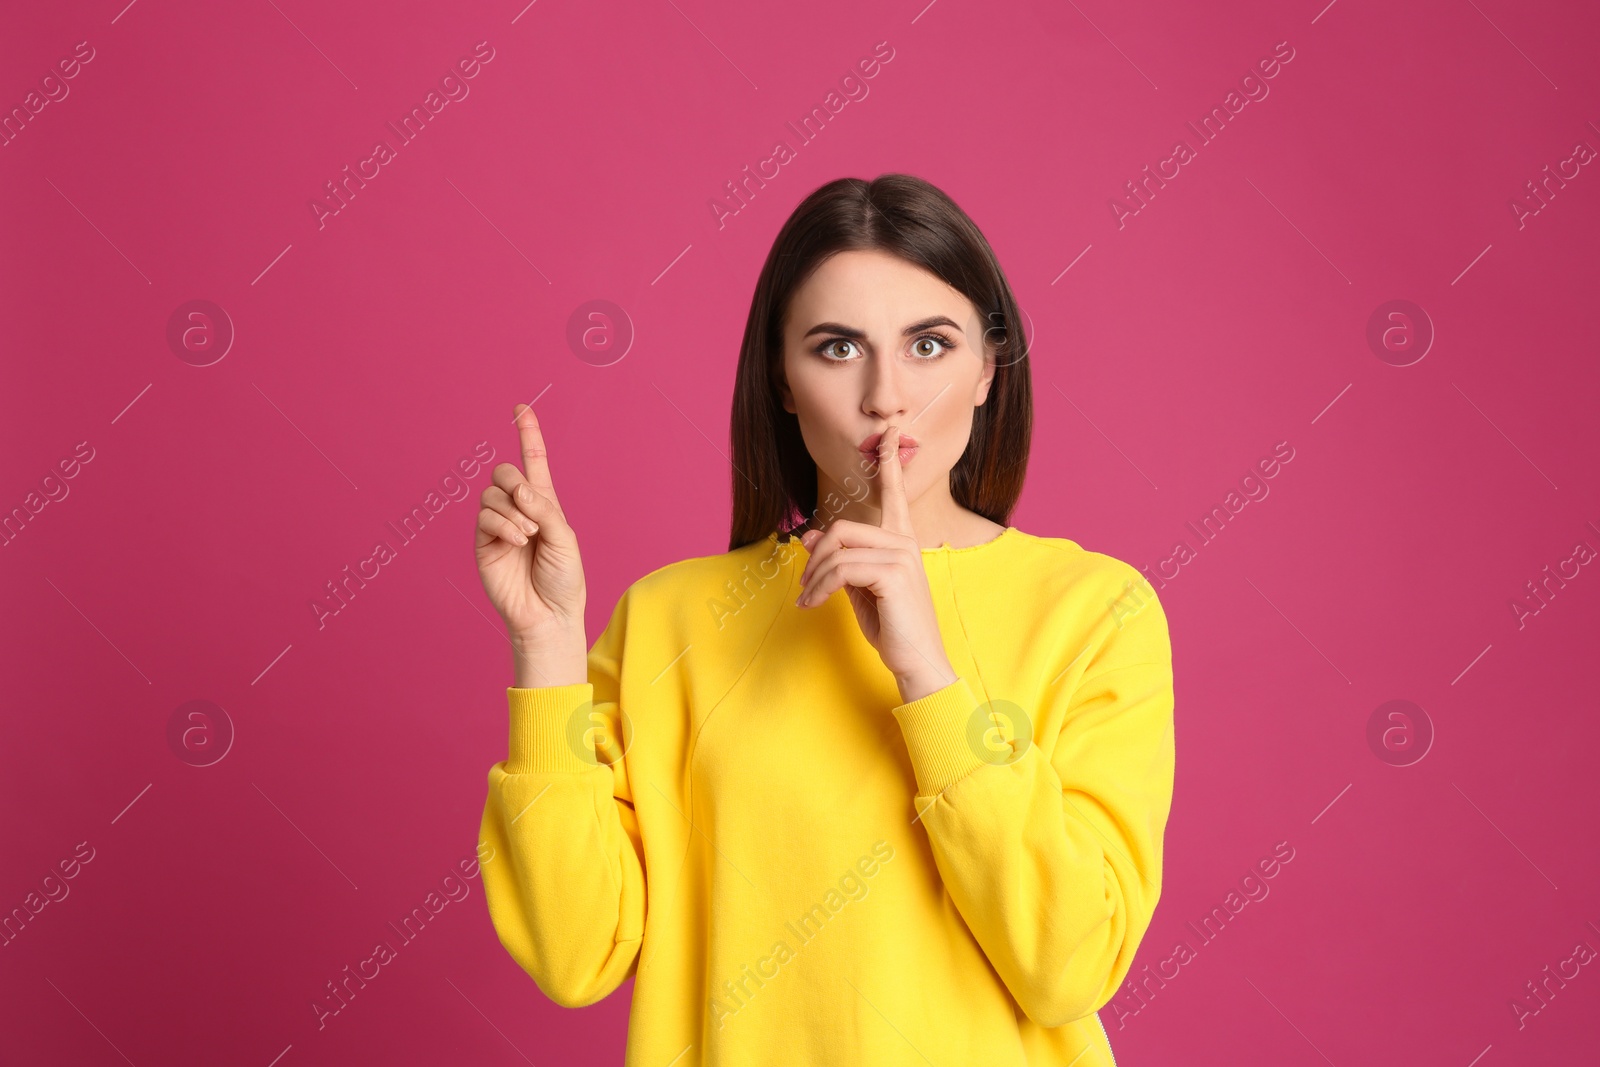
<point x="774" y="477"/>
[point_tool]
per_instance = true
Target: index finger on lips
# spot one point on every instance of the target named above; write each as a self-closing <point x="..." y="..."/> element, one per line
<point x="895" y="508"/>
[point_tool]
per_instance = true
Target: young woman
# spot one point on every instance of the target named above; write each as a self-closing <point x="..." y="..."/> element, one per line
<point x="886" y="783"/>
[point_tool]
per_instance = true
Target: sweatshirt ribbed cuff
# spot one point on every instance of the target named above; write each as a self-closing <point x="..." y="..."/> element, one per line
<point x="540" y="720"/>
<point x="936" y="732"/>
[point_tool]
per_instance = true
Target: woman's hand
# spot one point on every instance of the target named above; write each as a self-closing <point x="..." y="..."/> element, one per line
<point x="880" y="567"/>
<point x="529" y="563"/>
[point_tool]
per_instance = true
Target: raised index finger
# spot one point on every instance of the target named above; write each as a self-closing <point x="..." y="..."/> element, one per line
<point x="535" y="466"/>
<point x="895" y="509"/>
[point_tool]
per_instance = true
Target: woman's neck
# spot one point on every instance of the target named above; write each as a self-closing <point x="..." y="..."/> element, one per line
<point x="952" y="524"/>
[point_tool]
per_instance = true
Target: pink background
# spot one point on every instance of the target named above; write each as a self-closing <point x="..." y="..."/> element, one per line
<point x="374" y="353"/>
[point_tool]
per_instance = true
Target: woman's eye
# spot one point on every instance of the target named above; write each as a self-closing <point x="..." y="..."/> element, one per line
<point x="928" y="347"/>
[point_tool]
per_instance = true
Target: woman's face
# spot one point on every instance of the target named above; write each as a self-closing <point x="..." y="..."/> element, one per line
<point x="872" y="341"/>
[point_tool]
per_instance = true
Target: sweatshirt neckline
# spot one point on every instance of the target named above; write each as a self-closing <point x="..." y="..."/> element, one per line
<point x="1008" y="534"/>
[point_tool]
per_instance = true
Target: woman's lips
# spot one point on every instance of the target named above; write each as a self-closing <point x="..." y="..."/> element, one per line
<point x="871" y="443"/>
<point x="908" y="446"/>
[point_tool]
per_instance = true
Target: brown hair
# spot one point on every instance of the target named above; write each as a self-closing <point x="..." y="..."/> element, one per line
<point x="774" y="477"/>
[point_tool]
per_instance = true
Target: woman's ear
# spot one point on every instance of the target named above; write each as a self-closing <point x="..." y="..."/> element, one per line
<point x="986" y="380"/>
<point x="787" y="397"/>
<point x="994" y="343"/>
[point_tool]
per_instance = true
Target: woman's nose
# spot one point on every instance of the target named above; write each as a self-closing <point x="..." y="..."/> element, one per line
<point x="885" y="390"/>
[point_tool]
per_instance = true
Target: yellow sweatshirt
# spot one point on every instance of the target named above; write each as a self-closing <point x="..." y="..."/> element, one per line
<point x="797" y="868"/>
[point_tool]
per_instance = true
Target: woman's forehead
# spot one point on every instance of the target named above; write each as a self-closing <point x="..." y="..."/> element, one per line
<point x="875" y="292"/>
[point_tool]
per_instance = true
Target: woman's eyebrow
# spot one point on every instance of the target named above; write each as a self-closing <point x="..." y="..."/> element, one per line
<point x="860" y="335"/>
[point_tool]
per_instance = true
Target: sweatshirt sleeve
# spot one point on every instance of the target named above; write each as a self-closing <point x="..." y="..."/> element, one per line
<point x="565" y="880"/>
<point x="1055" y="861"/>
